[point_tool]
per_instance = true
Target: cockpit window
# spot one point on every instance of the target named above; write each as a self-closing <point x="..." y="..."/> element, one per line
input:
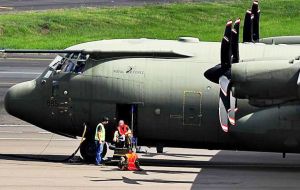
<point x="72" y="62"/>
<point x="55" y="62"/>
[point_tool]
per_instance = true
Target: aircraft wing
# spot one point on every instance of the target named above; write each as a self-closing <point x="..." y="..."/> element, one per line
<point x="107" y="54"/>
<point x="288" y="40"/>
<point x="38" y="51"/>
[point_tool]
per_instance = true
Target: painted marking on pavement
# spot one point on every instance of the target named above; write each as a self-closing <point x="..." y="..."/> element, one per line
<point x="13" y="125"/>
<point x="38" y="139"/>
<point x="44" y="132"/>
<point x="24" y="73"/>
<point x="6" y="8"/>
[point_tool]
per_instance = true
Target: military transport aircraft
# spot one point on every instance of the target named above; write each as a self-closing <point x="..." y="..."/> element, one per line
<point x="172" y="93"/>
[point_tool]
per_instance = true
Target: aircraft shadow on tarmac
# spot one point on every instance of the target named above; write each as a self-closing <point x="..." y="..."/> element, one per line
<point x="213" y="163"/>
<point x="152" y="155"/>
<point x="249" y="170"/>
<point x="146" y="172"/>
<point x="230" y="170"/>
<point x="36" y="157"/>
<point x="214" y="173"/>
<point x="137" y="181"/>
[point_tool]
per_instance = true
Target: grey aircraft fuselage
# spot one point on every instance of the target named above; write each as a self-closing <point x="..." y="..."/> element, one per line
<point x="174" y="103"/>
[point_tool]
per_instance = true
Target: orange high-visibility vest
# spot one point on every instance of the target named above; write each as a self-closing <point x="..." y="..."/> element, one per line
<point x="131" y="158"/>
<point x="123" y="129"/>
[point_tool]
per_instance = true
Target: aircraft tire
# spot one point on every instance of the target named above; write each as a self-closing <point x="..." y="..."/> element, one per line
<point x="105" y="148"/>
<point x="88" y="150"/>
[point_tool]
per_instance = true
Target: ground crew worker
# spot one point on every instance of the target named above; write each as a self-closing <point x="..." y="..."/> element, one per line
<point x="130" y="162"/>
<point x="122" y="135"/>
<point x="100" y="140"/>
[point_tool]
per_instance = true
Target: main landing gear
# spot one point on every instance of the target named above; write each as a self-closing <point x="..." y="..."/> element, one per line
<point x="88" y="150"/>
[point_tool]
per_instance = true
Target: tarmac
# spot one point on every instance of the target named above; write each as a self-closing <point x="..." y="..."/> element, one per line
<point x="31" y="158"/>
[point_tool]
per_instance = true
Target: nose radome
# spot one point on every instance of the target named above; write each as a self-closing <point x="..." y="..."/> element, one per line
<point x="17" y="97"/>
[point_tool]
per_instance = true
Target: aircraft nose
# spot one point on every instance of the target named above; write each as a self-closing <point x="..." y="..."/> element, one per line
<point x="19" y="99"/>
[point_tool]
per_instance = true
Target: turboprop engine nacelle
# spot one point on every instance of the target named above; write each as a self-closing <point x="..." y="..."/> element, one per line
<point x="272" y="79"/>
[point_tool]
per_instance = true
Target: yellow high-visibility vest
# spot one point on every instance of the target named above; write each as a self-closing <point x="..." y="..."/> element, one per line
<point x="102" y="132"/>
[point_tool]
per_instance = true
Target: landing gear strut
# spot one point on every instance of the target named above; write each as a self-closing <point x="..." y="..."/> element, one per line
<point x="88" y="150"/>
<point x="160" y="148"/>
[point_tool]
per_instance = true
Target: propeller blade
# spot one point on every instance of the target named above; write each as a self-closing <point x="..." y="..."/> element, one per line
<point x="235" y="41"/>
<point x="232" y="109"/>
<point x="213" y="74"/>
<point x="224" y="83"/>
<point x="223" y="107"/>
<point x="256" y="13"/>
<point x="223" y="115"/>
<point x="298" y="80"/>
<point x="248" y="27"/>
<point x="226" y="46"/>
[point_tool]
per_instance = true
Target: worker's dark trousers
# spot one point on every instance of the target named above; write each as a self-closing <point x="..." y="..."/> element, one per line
<point x="99" y="150"/>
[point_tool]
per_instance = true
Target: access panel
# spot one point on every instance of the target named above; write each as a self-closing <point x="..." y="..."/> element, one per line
<point x="192" y="108"/>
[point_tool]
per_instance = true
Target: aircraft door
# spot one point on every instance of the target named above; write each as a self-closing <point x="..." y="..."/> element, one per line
<point x="61" y="96"/>
<point x="59" y="103"/>
<point x="192" y="108"/>
<point x="128" y="113"/>
<point x="60" y="91"/>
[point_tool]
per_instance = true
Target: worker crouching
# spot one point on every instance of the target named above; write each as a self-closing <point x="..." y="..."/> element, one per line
<point x="123" y="139"/>
<point x="130" y="162"/>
